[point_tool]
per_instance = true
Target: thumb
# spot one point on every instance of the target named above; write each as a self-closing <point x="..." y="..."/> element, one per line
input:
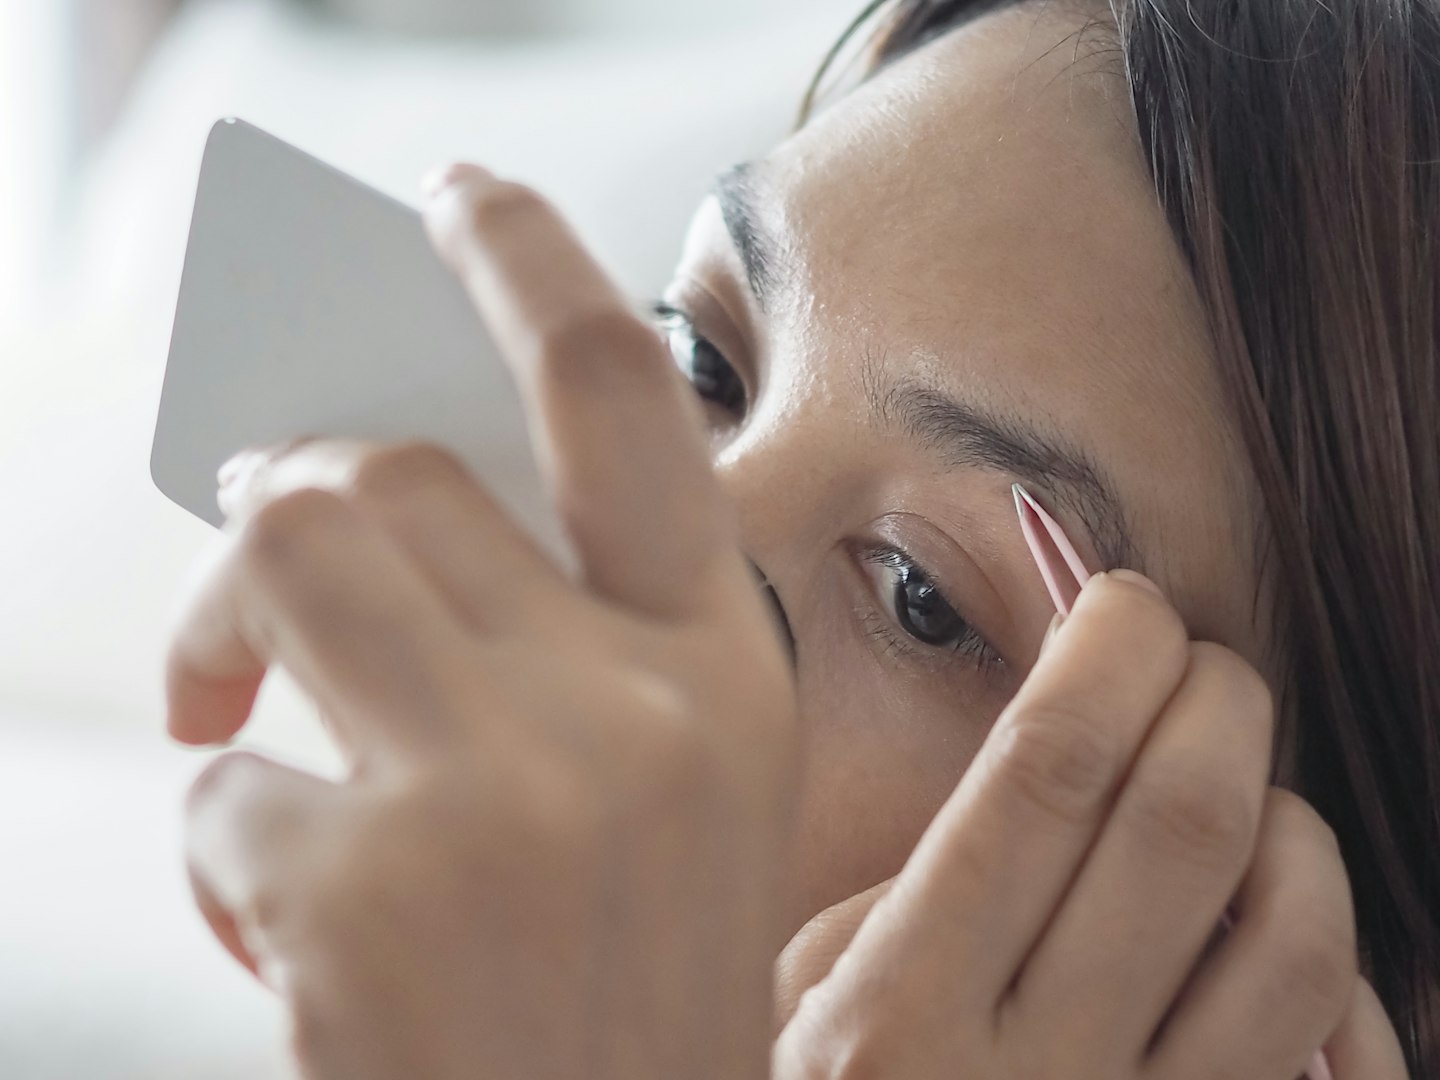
<point x="813" y="951"/>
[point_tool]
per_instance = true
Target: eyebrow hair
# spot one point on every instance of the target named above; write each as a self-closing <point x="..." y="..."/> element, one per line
<point x="738" y="195"/>
<point x="965" y="434"/>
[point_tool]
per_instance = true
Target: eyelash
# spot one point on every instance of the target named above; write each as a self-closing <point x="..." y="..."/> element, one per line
<point x="970" y="645"/>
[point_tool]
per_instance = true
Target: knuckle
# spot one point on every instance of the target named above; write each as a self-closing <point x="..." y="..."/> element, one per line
<point x="565" y="814"/>
<point x="1314" y="924"/>
<point x="213" y="782"/>
<point x="289" y="526"/>
<point x="1223" y="672"/>
<point x="1288" y="811"/>
<point x="1301" y="833"/>
<point x="504" y="204"/>
<point x="672" y="759"/>
<point x="677" y="761"/>
<point x="403" y="467"/>
<point x="1059" y="760"/>
<point x="1317" y="959"/>
<point x="826" y="1041"/>
<point x="1193" y="813"/>
<point x="1303" y="829"/>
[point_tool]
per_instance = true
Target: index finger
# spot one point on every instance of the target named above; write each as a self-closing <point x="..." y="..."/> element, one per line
<point x="617" y="430"/>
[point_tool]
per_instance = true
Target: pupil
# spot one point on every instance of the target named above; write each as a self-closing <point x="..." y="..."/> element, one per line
<point x="923" y="611"/>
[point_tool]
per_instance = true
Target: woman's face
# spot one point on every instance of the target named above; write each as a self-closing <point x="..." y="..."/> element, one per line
<point x="956" y="277"/>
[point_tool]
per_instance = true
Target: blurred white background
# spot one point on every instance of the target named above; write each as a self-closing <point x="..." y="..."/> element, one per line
<point x="620" y="110"/>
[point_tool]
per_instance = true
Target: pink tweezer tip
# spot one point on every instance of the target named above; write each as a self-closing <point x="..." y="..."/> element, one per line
<point x="1023" y="502"/>
<point x="1037" y="552"/>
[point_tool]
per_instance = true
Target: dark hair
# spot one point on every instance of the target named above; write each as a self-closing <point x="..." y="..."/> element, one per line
<point x="1295" y="148"/>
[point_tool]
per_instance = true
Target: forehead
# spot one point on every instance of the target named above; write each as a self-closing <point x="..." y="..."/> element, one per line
<point x="991" y="182"/>
<point x="981" y="209"/>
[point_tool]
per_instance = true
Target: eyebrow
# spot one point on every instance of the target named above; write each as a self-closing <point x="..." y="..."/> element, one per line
<point x="966" y="435"/>
<point x="738" y="193"/>
<point x="962" y="432"/>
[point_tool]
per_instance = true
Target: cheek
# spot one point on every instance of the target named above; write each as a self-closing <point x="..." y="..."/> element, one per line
<point x="880" y="760"/>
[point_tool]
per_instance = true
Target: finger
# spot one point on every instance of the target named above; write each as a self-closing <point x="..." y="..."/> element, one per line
<point x="489" y="570"/>
<point x="618" y="432"/>
<point x="1172" y="854"/>
<point x="991" y="870"/>
<point x="812" y="952"/>
<point x="221" y="923"/>
<point x="251" y="826"/>
<point x="314" y="585"/>
<point x="1279" y="984"/>
<point x="1364" y="1046"/>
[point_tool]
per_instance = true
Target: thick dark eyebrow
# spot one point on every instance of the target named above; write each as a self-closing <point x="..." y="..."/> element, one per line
<point x="967" y="435"/>
<point x="739" y="195"/>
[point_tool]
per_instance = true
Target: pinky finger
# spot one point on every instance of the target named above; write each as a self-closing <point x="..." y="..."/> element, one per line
<point x="1365" y="1046"/>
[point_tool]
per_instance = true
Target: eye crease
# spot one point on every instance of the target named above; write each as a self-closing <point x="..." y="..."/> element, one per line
<point x="714" y="378"/>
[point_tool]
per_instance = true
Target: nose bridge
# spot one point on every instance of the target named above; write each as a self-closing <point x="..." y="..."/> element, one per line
<point x="785" y="484"/>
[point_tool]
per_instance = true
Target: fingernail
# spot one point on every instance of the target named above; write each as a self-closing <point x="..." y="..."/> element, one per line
<point x="444" y="176"/>
<point x="1319" y="1067"/>
<point x="225" y="499"/>
<point x="1136" y="579"/>
<point x="235" y="466"/>
<point x="252" y="458"/>
<point x="1056" y="621"/>
<point x="437" y="180"/>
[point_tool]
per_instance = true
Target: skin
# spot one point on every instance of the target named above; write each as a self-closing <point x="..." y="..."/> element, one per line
<point x="577" y="830"/>
<point x="922" y="237"/>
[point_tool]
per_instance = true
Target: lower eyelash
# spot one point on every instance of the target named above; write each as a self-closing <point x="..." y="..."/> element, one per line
<point x="897" y="645"/>
<point x="878" y="628"/>
<point x="971" y="645"/>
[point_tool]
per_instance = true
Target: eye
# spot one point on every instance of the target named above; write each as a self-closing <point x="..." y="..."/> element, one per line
<point x="714" y="378"/>
<point x="920" y="616"/>
<point x="919" y="606"/>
